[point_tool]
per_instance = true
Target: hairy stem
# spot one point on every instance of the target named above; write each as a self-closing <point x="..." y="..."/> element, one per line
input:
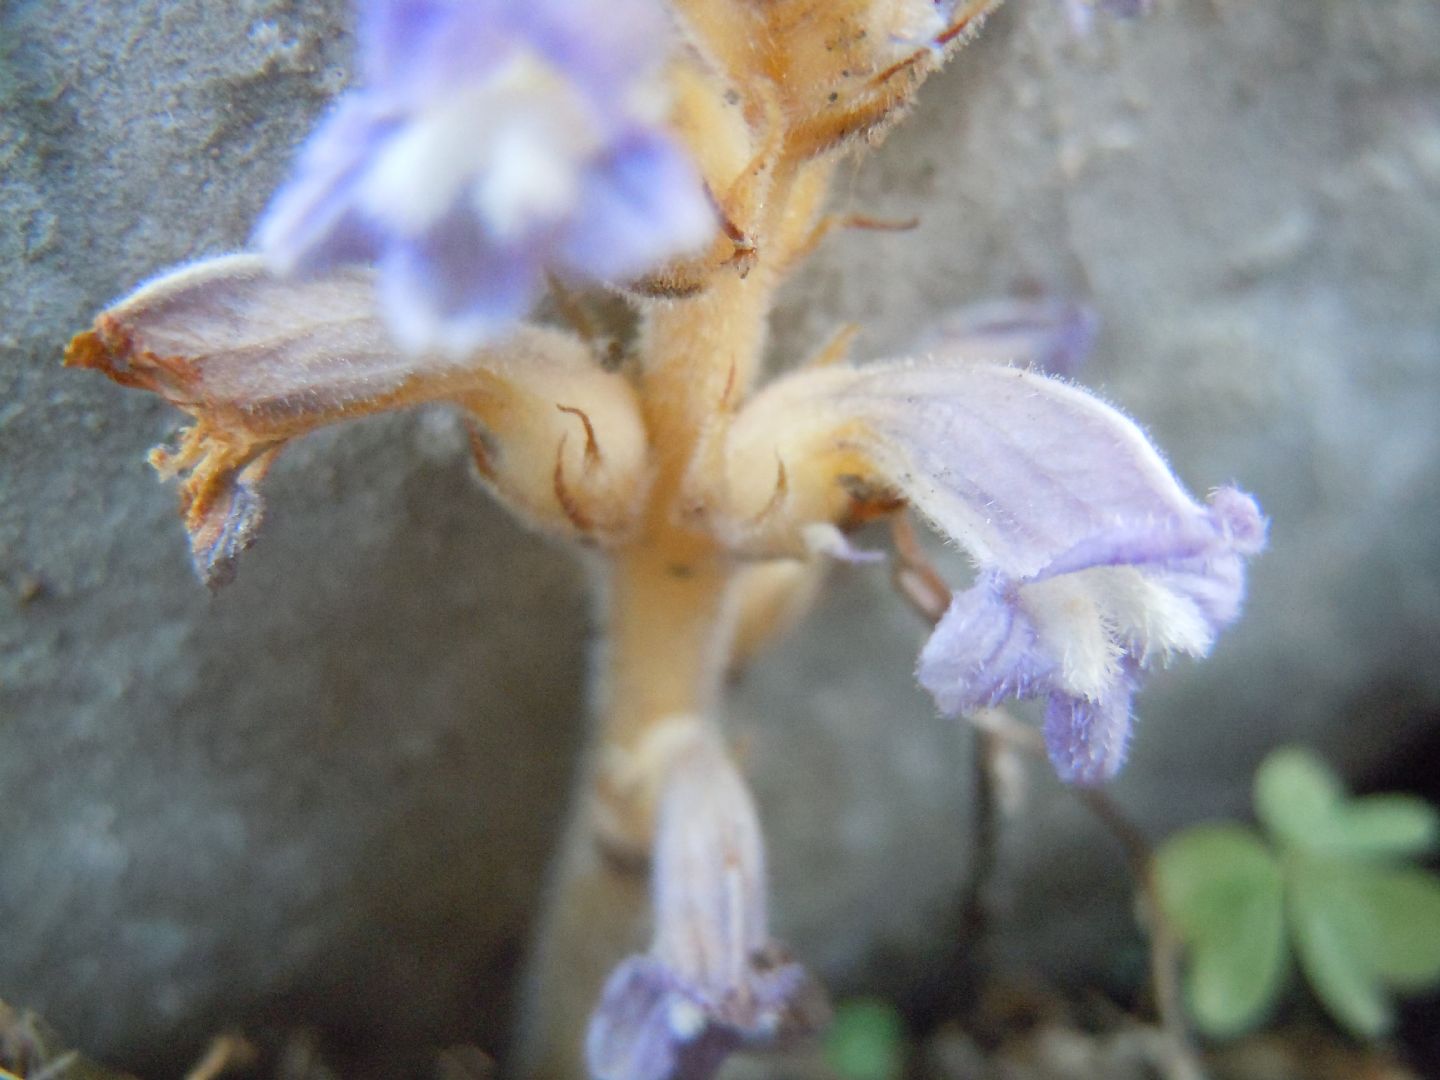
<point x="668" y="603"/>
<point x="667" y="626"/>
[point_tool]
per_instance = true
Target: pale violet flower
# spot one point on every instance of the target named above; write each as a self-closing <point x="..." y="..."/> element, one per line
<point x="713" y="981"/>
<point x="1075" y="633"/>
<point x="1093" y="563"/>
<point x="1080" y="630"/>
<point x="490" y="143"/>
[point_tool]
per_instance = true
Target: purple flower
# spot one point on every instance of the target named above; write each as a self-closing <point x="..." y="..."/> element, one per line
<point x="713" y="981"/>
<point x="1093" y="562"/>
<point x="493" y="142"/>
<point x="1080" y="630"/>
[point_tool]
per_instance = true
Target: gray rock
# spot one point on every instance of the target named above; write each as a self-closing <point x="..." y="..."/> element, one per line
<point x="327" y="795"/>
<point x="1248" y="194"/>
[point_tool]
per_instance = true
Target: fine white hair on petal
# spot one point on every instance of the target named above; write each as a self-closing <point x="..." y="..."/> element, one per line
<point x="1016" y="467"/>
<point x="1155" y="619"/>
<point x="1073" y="626"/>
<point x="1093" y="618"/>
<point x="1087" y="740"/>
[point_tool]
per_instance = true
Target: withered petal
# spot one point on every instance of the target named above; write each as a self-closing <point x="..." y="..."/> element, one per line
<point x="258" y="360"/>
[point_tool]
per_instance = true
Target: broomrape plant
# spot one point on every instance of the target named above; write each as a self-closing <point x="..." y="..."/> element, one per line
<point x="678" y="154"/>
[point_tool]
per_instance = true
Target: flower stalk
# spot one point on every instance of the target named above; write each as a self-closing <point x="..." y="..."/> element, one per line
<point x="668" y="599"/>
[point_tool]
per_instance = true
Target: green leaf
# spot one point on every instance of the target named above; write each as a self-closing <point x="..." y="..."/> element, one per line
<point x="1404" y="908"/>
<point x="1304" y="806"/>
<point x="866" y="1041"/>
<point x="1336" y="940"/>
<point x="1378" y="826"/>
<point x="1221" y="890"/>
<point x="1294" y="791"/>
<point x="1200" y="871"/>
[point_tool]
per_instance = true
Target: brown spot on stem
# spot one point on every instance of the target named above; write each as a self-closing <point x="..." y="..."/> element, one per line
<point x="670" y="286"/>
<point x="481" y="449"/>
<point x="111" y="348"/>
<point x="592" y="447"/>
<point x="573" y="510"/>
<point x="777" y="497"/>
<point x="864" y="221"/>
<point x="730" y="376"/>
<point x="869" y="500"/>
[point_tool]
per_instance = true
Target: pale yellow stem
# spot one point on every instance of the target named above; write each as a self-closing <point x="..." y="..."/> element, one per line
<point x="667" y="629"/>
<point x="668" y="615"/>
<point x="665" y="643"/>
<point x="700" y="357"/>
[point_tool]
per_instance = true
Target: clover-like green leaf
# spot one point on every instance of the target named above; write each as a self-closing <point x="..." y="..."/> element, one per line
<point x="1404" y="908"/>
<point x="1294" y="792"/>
<point x="866" y="1041"/>
<point x="1221" y="889"/>
<point x="1305" y="807"/>
<point x="1377" y="826"/>
<point x="1336" y="939"/>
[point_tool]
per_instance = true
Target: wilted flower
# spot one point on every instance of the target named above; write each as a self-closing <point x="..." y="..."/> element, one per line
<point x="493" y="142"/>
<point x="258" y="360"/>
<point x="713" y="981"/>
